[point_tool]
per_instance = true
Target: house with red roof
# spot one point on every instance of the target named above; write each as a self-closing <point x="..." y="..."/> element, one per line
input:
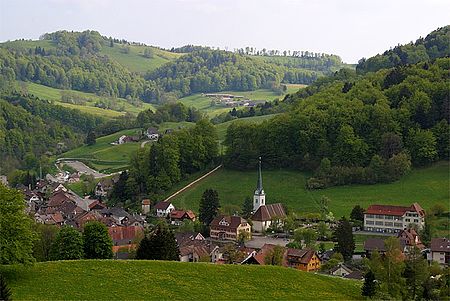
<point x="177" y="217"/>
<point x="306" y="259"/>
<point x="393" y="219"/>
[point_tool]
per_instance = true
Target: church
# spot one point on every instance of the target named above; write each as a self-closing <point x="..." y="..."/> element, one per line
<point x="264" y="215"/>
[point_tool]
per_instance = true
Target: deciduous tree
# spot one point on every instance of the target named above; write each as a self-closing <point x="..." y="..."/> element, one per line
<point x="97" y="242"/>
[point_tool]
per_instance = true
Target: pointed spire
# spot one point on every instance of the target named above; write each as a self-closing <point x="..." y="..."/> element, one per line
<point x="259" y="187"/>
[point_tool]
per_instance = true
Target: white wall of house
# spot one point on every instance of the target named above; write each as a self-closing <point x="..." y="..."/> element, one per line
<point x="259" y="226"/>
<point x="165" y="213"/>
<point x="390" y="223"/>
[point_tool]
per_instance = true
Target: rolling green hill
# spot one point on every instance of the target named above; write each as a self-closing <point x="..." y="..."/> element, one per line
<point x="426" y="186"/>
<point x="156" y="280"/>
<point x="54" y="94"/>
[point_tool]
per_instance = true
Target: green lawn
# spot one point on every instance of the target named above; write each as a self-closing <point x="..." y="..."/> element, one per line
<point x="426" y="186"/>
<point x="49" y="93"/>
<point x="106" y="157"/>
<point x="135" y="61"/>
<point x="156" y="280"/>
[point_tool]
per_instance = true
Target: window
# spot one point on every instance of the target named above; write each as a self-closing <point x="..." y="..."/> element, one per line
<point x="416" y="220"/>
<point x="407" y="220"/>
<point x="398" y="225"/>
<point x="379" y="216"/>
<point x="389" y="224"/>
<point x="379" y="223"/>
<point x="369" y="222"/>
<point x="369" y="215"/>
<point x="388" y="217"/>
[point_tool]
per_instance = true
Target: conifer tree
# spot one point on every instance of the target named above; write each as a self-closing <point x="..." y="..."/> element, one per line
<point x="209" y="206"/>
<point x="159" y="245"/>
<point x="247" y="207"/>
<point x="369" y="286"/>
<point x="344" y="237"/>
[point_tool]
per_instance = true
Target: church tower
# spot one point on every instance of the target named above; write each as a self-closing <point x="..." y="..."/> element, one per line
<point x="259" y="198"/>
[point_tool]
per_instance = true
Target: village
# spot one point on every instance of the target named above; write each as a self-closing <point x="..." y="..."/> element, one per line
<point x="232" y="239"/>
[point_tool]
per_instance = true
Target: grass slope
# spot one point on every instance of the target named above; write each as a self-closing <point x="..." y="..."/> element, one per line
<point x="135" y="61"/>
<point x="105" y="157"/>
<point x="156" y="280"/>
<point x="49" y="93"/>
<point x="427" y="186"/>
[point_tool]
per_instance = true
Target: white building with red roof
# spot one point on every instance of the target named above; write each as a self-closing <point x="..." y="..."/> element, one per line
<point x="393" y="219"/>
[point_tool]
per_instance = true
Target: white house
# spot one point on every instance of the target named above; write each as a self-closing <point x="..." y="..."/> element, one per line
<point x="264" y="215"/>
<point x="152" y="134"/>
<point x="163" y="209"/>
<point x="393" y="219"/>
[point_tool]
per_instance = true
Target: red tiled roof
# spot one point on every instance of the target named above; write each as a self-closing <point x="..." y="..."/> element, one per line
<point x="440" y="245"/>
<point x="268" y="212"/>
<point x="180" y="214"/>
<point x="394" y="210"/>
<point x="58" y="199"/>
<point x="126" y="233"/>
<point x="146" y="202"/>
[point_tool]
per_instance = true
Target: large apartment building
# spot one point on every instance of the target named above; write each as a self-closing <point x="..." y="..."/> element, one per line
<point x="393" y="219"/>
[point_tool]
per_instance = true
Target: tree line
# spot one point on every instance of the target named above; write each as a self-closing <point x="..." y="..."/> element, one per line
<point x="434" y="45"/>
<point x="350" y="128"/>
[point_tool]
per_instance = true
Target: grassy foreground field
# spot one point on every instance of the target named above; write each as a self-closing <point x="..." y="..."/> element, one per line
<point x="426" y="186"/>
<point x="155" y="280"/>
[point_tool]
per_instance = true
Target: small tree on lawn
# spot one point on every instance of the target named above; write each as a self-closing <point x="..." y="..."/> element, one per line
<point x="209" y="206"/>
<point x="344" y="236"/>
<point x="68" y="245"/>
<point x="97" y="242"/>
<point x="357" y="214"/>
<point x="91" y="138"/>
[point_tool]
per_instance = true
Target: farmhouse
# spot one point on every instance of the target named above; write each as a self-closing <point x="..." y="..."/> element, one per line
<point x="152" y="133"/>
<point x="305" y="259"/>
<point x="264" y="215"/>
<point x="393" y="219"/>
<point x="163" y="209"/>
<point x="229" y="227"/>
<point x="178" y="216"/>
<point x="340" y="270"/>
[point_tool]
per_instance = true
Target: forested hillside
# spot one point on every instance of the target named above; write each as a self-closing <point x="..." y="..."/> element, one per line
<point x="30" y="129"/>
<point x="434" y="45"/>
<point x="354" y="129"/>
<point x="88" y="62"/>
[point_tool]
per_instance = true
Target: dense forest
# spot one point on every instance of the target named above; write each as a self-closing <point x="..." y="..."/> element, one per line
<point x="434" y="45"/>
<point x="74" y="60"/>
<point x="31" y="130"/>
<point x="350" y="128"/>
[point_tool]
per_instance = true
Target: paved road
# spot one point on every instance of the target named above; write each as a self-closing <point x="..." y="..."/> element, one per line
<point x="81" y="167"/>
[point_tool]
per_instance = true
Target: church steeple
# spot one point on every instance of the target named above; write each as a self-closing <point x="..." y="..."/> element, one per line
<point x="259" y="198"/>
<point x="259" y="186"/>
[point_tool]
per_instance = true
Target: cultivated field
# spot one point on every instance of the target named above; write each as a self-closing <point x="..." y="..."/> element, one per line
<point x="157" y="280"/>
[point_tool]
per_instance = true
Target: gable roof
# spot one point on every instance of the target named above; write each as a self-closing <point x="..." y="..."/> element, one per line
<point x="355" y="275"/>
<point x="232" y="222"/>
<point x="304" y="255"/>
<point x="58" y="198"/>
<point x="372" y="244"/>
<point x="146" y="202"/>
<point x="162" y="205"/>
<point x="339" y="266"/>
<point x="268" y="212"/>
<point x="180" y="214"/>
<point x="440" y="245"/>
<point x="394" y="210"/>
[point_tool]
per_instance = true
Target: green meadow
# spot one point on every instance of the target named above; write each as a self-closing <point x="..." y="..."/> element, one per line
<point x="158" y="280"/>
<point x="427" y="186"/>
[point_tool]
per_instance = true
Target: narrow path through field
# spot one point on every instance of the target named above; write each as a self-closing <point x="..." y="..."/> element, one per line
<point x="145" y="142"/>
<point x="192" y="183"/>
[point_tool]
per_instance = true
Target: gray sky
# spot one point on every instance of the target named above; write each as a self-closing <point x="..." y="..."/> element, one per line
<point x="349" y="28"/>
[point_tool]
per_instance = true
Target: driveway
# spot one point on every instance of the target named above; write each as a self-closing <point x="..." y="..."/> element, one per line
<point x="83" y="168"/>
